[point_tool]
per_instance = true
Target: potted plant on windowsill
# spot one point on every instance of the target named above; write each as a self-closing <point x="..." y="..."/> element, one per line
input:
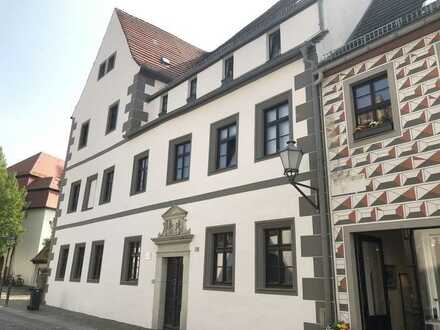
<point x="339" y="325"/>
<point x="373" y="128"/>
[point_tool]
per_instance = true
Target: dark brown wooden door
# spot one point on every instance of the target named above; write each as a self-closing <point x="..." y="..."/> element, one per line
<point x="173" y="293"/>
<point x="374" y="296"/>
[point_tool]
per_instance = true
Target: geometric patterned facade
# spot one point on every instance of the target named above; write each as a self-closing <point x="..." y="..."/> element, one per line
<point x="401" y="174"/>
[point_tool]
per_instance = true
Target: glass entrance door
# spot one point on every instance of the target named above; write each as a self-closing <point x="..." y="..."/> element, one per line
<point x="374" y="300"/>
<point x="427" y="246"/>
<point x="173" y="293"/>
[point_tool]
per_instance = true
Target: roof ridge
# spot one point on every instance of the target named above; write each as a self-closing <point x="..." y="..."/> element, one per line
<point x="118" y="10"/>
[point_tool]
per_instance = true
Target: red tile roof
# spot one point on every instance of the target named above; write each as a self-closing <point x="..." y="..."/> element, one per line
<point x="148" y="44"/>
<point x="40" y="174"/>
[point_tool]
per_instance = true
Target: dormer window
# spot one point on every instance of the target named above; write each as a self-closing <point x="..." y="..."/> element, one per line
<point x="274" y="43"/>
<point x="192" y="93"/>
<point x="228" y="69"/>
<point x="165" y="61"/>
<point x="107" y="66"/>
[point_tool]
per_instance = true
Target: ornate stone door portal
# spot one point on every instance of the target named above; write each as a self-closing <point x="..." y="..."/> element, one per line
<point x="173" y="243"/>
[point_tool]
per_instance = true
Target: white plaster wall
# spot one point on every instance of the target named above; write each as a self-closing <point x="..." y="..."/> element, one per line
<point x="177" y="96"/>
<point x="97" y="96"/>
<point x="250" y="56"/>
<point x="299" y="28"/>
<point x="36" y="227"/>
<point x="198" y="123"/>
<point x="242" y="309"/>
<point x="210" y="79"/>
<point x="206" y="309"/>
<point x="341" y="18"/>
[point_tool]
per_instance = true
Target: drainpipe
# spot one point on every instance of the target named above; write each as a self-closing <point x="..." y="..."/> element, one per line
<point x="309" y="57"/>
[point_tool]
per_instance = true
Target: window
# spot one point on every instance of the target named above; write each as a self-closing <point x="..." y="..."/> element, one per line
<point x="62" y="263"/>
<point x="84" y="135"/>
<point x="101" y="71"/>
<point x="77" y="263"/>
<point x="107" y="185"/>
<point x="89" y="193"/>
<point x="183" y="157"/>
<point x="274" y="44"/>
<point x="74" y="196"/>
<point x="223" y="146"/>
<point x="107" y="66"/>
<point x="95" y="263"/>
<point x="273" y="126"/>
<point x="192" y="90"/>
<point x="179" y="158"/>
<point x="164" y="105"/>
<point x="372" y="107"/>
<point x="276" y="129"/>
<point x="219" y="258"/>
<point x="139" y="176"/>
<point x="112" y="117"/>
<point x="111" y="63"/>
<point x="228" y="69"/>
<point x="131" y="260"/>
<point x="275" y="257"/>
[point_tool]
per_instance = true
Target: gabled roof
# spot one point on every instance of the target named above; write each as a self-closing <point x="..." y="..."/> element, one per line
<point x="381" y="12"/>
<point x="41" y="165"/>
<point x="40" y="175"/>
<point x="148" y="44"/>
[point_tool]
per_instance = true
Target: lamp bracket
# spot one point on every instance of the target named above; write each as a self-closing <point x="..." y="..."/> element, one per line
<point x="291" y="176"/>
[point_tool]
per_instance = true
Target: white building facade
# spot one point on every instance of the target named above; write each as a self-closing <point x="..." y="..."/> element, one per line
<point x="174" y="212"/>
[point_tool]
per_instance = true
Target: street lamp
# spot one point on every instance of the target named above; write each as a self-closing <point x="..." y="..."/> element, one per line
<point x="291" y="159"/>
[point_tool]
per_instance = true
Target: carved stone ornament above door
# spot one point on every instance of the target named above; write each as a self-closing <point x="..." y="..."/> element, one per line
<point x="174" y="227"/>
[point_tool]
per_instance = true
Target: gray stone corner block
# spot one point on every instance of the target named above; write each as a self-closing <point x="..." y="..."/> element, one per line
<point x="303" y="79"/>
<point x="305" y="208"/>
<point x="304" y="111"/>
<point x="312" y="326"/>
<point x="139" y="115"/>
<point x="313" y="289"/>
<point x="311" y="246"/>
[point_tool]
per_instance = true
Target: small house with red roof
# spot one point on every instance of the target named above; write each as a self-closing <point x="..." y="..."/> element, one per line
<point x="39" y="175"/>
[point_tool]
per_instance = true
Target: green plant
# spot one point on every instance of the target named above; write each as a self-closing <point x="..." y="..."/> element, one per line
<point x="339" y="325"/>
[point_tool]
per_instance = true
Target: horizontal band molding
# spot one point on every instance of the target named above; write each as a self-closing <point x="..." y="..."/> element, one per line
<point x="192" y="199"/>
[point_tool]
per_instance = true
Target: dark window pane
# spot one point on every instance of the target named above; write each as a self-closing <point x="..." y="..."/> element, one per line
<point x="229" y="68"/>
<point x="380" y="84"/>
<point x="276" y="129"/>
<point x="363" y="102"/>
<point x="274" y="44"/>
<point x="183" y="158"/>
<point x="279" y="257"/>
<point x="111" y="63"/>
<point x="101" y="71"/>
<point x="164" y="108"/>
<point x="84" y="135"/>
<point x="362" y="90"/>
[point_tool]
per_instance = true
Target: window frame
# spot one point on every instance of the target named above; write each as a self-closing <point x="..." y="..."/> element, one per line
<point x="192" y="90"/>
<point x="135" y="177"/>
<point x="86" y="196"/>
<point x="104" y="184"/>
<point x="125" y="261"/>
<point x="75" y="262"/>
<point x="208" y="273"/>
<point x="276" y="31"/>
<point x="260" y="256"/>
<point x="62" y="265"/>
<point x="108" y="129"/>
<point x="172" y="158"/>
<point x="103" y="68"/>
<point x="348" y="85"/>
<point x="226" y="77"/>
<point x="93" y="262"/>
<point x="260" y="111"/>
<point x="163" y="105"/>
<point x="214" y="143"/>
<point x="81" y="143"/>
<point x="71" y="196"/>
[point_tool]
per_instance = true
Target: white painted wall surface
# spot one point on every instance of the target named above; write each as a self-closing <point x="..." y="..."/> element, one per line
<point x="341" y="18"/>
<point x="210" y="79"/>
<point x="250" y="56"/>
<point x="177" y="96"/>
<point x="206" y="309"/>
<point x="299" y="28"/>
<point x="97" y="96"/>
<point x="198" y="123"/>
<point x="36" y="227"/>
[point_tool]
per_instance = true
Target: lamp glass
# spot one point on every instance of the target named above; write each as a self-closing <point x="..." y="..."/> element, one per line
<point x="291" y="157"/>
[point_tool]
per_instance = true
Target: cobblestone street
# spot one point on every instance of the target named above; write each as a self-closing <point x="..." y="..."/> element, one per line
<point x="17" y="317"/>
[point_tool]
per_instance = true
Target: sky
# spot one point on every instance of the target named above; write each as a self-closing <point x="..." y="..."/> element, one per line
<point x="47" y="48"/>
